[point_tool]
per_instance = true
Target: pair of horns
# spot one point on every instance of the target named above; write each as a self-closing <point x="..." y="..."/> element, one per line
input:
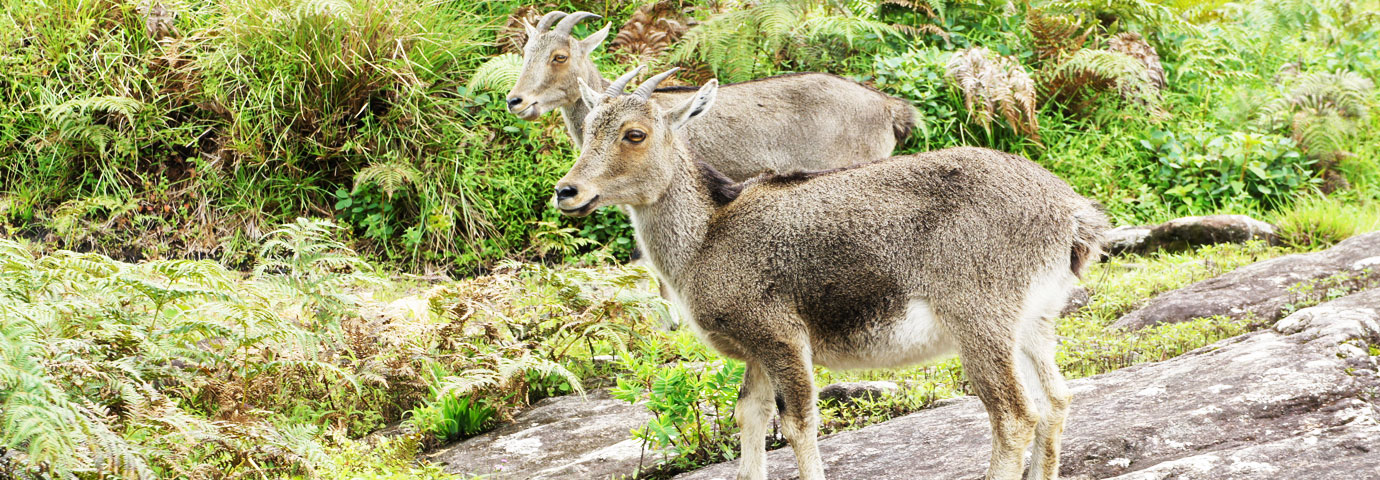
<point x="643" y="91"/>
<point x="567" y="22"/>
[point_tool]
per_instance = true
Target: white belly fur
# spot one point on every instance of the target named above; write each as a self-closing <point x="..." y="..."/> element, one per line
<point x="917" y="338"/>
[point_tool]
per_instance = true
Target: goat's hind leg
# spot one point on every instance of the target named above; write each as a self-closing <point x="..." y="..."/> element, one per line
<point x="988" y="349"/>
<point x="1042" y="379"/>
<point x="792" y="379"/>
<point x="756" y="405"/>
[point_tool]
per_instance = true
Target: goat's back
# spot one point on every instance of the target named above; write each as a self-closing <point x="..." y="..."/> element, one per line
<point x="846" y="248"/>
<point x="807" y="121"/>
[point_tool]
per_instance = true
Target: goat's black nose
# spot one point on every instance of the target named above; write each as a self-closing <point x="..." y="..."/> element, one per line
<point x="563" y="193"/>
<point x="514" y="101"/>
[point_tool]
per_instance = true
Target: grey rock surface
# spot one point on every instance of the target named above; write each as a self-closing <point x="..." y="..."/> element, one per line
<point x="1125" y="239"/>
<point x="851" y="391"/>
<point x="1297" y="401"/>
<point x="562" y="437"/>
<point x="1186" y="232"/>
<point x="1261" y="289"/>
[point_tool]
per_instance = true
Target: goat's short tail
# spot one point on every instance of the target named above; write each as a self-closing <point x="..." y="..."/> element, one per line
<point x="903" y="117"/>
<point x="1088" y="226"/>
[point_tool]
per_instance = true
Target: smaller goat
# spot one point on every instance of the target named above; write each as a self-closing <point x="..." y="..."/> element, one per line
<point x="776" y="124"/>
<point x="881" y="265"/>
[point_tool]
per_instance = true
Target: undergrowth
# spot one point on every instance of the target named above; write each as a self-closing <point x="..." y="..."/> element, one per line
<point x="182" y="368"/>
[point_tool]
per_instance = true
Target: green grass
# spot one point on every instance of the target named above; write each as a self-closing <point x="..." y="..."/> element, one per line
<point x="1323" y="221"/>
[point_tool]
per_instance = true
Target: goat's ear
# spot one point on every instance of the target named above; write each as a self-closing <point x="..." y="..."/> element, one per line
<point x="588" y="95"/>
<point x="594" y="39"/>
<point x="696" y="105"/>
<point x="532" y="32"/>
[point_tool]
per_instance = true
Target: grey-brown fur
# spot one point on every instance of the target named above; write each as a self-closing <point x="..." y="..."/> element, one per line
<point x="777" y="124"/>
<point x="880" y="265"/>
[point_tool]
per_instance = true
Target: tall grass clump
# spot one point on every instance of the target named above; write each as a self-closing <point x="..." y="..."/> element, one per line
<point x="1318" y="221"/>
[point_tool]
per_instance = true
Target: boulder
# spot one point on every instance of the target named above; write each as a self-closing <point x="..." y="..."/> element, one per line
<point x="1260" y="289"/>
<point x="1126" y="239"/>
<point x="561" y="437"/>
<point x="1187" y="232"/>
<point x="847" y="392"/>
<point x="1290" y="402"/>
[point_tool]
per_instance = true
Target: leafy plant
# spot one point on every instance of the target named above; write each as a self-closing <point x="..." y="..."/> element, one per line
<point x="1208" y="170"/>
<point x="691" y="407"/>
<point x="918" y="75"/>
<point x="450" y="416"/>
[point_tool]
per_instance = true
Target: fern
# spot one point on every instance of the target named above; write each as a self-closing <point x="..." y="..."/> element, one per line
<point x="1144" y="15"/>
<point x="743" y="44"/>
<point x="389" y="176"/>
<point x="124" y="106"/>
<point x="994" y="87"/>
<point x="1321" y="110"/>
<point x="1105" y="70"/>
<point x="499" y="73"/>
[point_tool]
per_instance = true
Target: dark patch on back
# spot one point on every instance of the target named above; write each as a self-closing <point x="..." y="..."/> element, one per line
<point x="677" y="88"/>
<point x="691" y="88"/>
<point x="721" y="188"/>
<point x="792" y="178"/>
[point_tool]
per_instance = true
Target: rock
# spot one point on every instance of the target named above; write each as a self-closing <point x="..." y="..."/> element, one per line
<point x="1277" y="403"/>
<point x="1186" y="232"/>
<point x="604" y="360"/>
<point x="395" y="429"/>
<point x="1260" y="289"/>
<point x="561" y="437"/>
<point x="1125" y="239"/>
<point x="1078" y="298"/>
<point x="848" y="392"/>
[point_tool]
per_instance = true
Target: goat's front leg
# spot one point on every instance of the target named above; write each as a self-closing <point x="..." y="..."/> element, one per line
<point x="793" y="381"/>
<point x="756" y="405"/>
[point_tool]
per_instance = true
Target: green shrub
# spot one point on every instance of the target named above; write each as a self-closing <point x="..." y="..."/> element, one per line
<point x="692" y="408"/>
<point x="1207" y="171"/>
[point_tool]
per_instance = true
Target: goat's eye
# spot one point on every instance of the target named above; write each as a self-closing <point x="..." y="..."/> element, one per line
<point x="634" y="136"/>
<point x="559" y="58"/>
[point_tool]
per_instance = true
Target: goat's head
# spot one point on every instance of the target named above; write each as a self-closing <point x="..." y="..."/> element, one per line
<point x="630" y="145"/>
<point x="552" y="62"/>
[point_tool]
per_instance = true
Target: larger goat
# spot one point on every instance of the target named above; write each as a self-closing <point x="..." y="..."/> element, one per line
<point x="884" y="264"/>
<point x="777" y="124"/>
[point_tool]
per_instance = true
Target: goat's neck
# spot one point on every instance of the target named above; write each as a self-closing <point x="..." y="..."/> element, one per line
<point x="575" y="112"/>
<point x="671" y="229"/>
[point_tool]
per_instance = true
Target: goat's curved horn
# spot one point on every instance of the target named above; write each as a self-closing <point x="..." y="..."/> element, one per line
<point x="569" y="22"/>
<point x="645" y="90"/>
<point x="548" y="20"/>
<point x="616" y="88"/>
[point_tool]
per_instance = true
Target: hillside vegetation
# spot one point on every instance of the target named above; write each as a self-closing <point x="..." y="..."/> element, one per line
<point x="240" y="235"/>
<point x="188" y="129"/>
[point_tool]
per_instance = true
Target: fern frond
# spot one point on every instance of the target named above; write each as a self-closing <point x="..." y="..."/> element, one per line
<point x="498" y="74"/>
<point x="995" y="86"/>
<point x="389" y="176"/>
